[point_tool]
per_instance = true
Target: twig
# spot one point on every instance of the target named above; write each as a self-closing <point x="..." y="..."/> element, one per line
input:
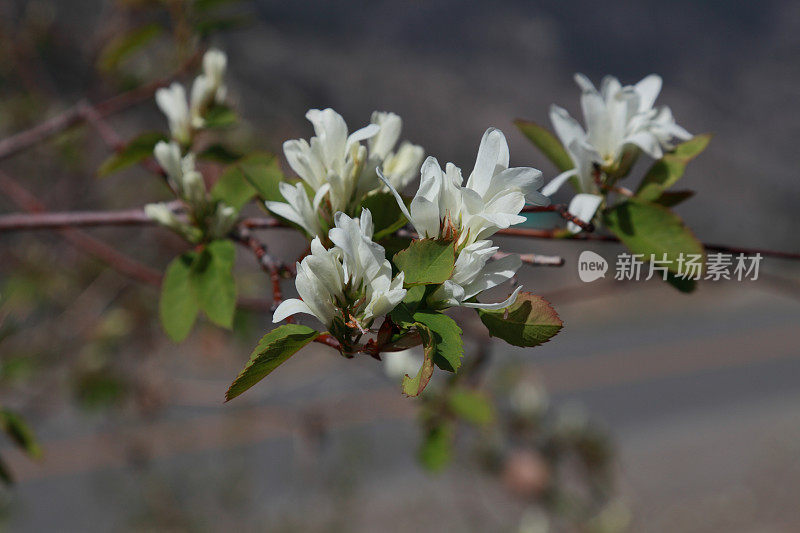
<point x="563" y="212"/>
<point x="120" y="262"/>
<point x="534" y="259"/>
<point x="77" y="113"/>
<point x="268" y="264"/>
<point x="551" y="234"/>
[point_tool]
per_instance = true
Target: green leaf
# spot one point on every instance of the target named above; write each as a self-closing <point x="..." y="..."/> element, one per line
<point x="218" y="24"/>
<point x="233" y="188"/>
<point x="530" y="321"/>
<point x="219" y="153"/>
<point x="448" y="347"/>
<point x="471" y="405"/>
<point x="386" y="214"/>
<point x="19" y="432"/>
<point x="673" y="198"/>
<point x="123" y="46"/>
<point x="427" y="261"/>
<point x="414" y="386"/>
<point x="669" y="169"/>
<point x="135" y="151"/>
<point x="436" y="451"/>
<point x="212" y="274"/>
<point x="273" y="349"/>
<point x="206" y="5"/>
<point x="5" y="474"/>
<point x="550" y="146"/>
<point x="264" y="173"/>
<point x="686" y="285"/>
<point x="647" y="229"/>
<point x="219" y="116"/>
<point x="178" y="306"/>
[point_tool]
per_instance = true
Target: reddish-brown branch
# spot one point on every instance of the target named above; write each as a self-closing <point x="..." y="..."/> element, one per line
<point x="267" y="263"/>
<point x="551" y="234"/>
<point x="86" y="243"/>
<point x="563" y="212"/>
<point x="78" y="113"/>
<point x="534" y="259"/>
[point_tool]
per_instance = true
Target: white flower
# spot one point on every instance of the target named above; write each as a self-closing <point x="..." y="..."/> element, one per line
<point x="618" y="119"/>
<point x="172" y="102"/>
<point x="583" y="206"/>
<point x="297" y="208"/>
<point x="183" y="115"/>
<point x="351" y="281"/>
<point x="163" y="214"/>
<point x="182" y="175"/>
<point x="223" y="220"/>
<point x="400" y="167"/>
<point x="492" y="199"/>
<point x="473" y="274"/>
<point x="339" y="169"/>
<point x="209" y="86"/>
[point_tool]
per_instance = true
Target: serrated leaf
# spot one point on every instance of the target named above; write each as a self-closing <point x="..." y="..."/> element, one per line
<point x="427" y="261"/>
<point x="386" y="215"/>
<point x="137" y="150"/>
<point x="219" y="116"/>
<point x="548" y="143"/>
<point x="233" y="188"/>
<point x="19" y="432"/>
<point x="272" y="350"/>
<point x="530" y="321"/>
<point x="448" y="348"/>
<point x="471" y="406"/>
<point x="215" y="286"/>
<point x="123" y="46"/>
<point x="436" y="450"/>
<point x="647" y="229"/>
<point x="178" y="305"/>
<point x="673" y="198"/>
<point x="263" y="172"/>
<point x="414" y="386"/>
<point x="670" y="168"/>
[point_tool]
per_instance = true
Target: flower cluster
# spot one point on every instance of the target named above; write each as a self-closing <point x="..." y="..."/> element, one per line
<point x="186" y="116"/>
<point x="349" y="284"/>
<point x="207" y="219"/>
<point x="339" y="170"/>
<point x="491" y="199"/>
<point x="621" y="121"/>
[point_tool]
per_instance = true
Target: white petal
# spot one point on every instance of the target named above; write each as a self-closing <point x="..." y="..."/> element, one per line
<point x="492" y="159"/>
<point x="648" y="89"/>
<point x="567" y="128"/>
<point x="500" y="305"/>
<point x="383" y="142"/>
<point x="290" y="307"/>
<point x="583" y="206"/>
<point x="558" y="181"/>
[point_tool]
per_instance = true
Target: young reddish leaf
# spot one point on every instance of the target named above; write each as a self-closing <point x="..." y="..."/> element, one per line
<point x="530" y="321"/>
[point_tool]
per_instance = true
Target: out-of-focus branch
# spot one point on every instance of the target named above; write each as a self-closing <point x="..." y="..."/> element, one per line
<point x="78" y="113"/>
<point x="534" y="259"/>
<point x="86" y="243"/>
<point x="552" y="234"/>
<point x="562" y="211"/>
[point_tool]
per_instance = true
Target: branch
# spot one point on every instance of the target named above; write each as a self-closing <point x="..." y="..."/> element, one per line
<point x="78" y="113"/>
<point x="534" y="259"/>
<point x="551" y="234"/>
<point x="94" y="247"/>
<point x="563" y="212"/>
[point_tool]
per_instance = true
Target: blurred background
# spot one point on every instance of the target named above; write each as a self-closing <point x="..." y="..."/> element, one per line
<point x="697" y="396"/>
